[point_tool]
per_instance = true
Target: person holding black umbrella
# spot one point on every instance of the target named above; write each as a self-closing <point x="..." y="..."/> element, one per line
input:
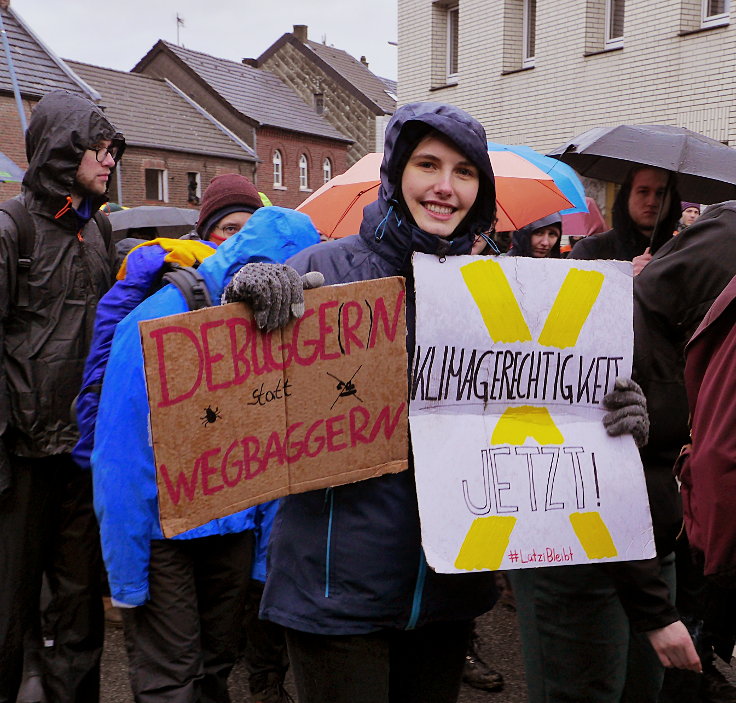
<point x="620" y="609"/>
<point x="645" y="213"/>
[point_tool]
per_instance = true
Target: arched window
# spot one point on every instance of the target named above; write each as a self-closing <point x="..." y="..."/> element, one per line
<point x="303" y="173"/>
<point x="326" y="170"/>
<point x="278" y="174"/>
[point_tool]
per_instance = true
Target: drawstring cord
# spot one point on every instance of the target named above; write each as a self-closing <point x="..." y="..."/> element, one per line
<point x="65" y="209"/>
<point x="381" y="229"/>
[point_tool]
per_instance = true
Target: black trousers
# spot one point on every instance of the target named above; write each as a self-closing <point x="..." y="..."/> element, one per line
<point x="182" y="644"/>
<point x="390" y="666"/>
<point x="265" y="644"/>
<point x="47" y="525"/>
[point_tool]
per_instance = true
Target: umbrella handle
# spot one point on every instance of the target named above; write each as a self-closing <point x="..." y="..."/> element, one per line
<point x="658" y="222"/>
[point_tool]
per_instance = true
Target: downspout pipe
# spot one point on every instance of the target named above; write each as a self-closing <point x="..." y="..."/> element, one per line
<point x="13" y="78"/>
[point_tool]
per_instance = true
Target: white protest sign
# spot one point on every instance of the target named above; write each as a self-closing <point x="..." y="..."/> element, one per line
<point x="513" y="466"/>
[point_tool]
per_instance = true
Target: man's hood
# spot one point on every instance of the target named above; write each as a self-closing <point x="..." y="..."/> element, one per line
<point x="63" y="125"/>
<point x="624" y="225"/>
<point x="407" y="127"/>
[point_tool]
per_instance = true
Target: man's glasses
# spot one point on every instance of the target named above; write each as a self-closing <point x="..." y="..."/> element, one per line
<point x="229" y="230"/>
<point x="101" y="152"/>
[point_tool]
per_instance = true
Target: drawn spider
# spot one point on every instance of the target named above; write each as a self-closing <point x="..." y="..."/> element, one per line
<point x="210" y="415"/>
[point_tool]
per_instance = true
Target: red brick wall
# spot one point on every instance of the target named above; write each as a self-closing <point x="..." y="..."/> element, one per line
<point x="12" y="141"/>
<point x="177" y="165"/>
<point x="291" y="146"/>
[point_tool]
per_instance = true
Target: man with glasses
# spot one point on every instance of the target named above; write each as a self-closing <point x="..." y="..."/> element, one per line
<point x="47" y="308"/>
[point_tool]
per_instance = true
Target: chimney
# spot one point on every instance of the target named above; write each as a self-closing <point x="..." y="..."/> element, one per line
<point x="364" y="61"/>
<point x="300" y="32"/>
<point x="247" y="62"/>
<point x="4" y="4"/>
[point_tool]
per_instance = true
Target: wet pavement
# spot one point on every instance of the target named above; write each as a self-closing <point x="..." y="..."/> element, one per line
<point x="499" y="647"/>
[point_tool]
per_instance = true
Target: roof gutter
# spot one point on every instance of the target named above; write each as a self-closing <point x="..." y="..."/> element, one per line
<point x="13" y="77"/>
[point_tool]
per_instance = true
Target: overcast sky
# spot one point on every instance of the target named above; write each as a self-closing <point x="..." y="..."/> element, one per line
<point x="118" y="34"/>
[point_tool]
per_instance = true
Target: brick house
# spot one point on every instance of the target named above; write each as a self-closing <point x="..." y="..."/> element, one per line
<point x="538" y="72"/>
<point x="297" y="148"/>
<point x="38" y="70"/>
<point x="174" y="147"/>
<point x="341" y="88"/>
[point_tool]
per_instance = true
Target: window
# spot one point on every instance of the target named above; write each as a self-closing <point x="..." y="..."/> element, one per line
<point x="453" y="33"/>
<point x="319" y="103"/>
<point x="157" y="185"/>
<point x="326" y="170"/>
<point x="278" y="174"/>
<point x="614" y="23"/>
<point x="530" y="32"/>
<point x="303" y="173"/>
<point x="194" y="188"/>
<point x="714" y="12"/>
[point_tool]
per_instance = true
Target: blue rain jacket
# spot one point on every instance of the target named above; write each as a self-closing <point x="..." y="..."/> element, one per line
<point x="123" y="469"/>
<point x="348" y="560"/>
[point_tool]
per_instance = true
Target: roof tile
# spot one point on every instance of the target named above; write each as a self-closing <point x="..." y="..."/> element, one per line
<point x="35" y="66"/>
<point x="149" y="112"/>
<point x="257" y="94"/>
<point x="356" y="73"/>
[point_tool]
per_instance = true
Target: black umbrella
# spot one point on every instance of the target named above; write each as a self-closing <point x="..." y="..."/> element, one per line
<point x="9" y="171"/>
<point x="704" y="169"/>
<point x="153" y="221"/>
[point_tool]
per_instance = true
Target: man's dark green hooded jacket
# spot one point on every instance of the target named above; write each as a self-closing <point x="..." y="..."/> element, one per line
<point x="44" y="344"/>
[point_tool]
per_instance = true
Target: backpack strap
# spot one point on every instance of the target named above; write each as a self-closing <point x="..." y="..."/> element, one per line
<point x="26" y="235"/>
<point x="105" y="227"/>
<point x="191" y="285"/>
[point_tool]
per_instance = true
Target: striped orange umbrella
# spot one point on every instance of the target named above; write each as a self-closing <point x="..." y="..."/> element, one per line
<point x="524" y="193"/>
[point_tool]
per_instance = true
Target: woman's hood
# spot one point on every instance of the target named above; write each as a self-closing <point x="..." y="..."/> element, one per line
<point x="521" y="243"/>
<point x="407" y="127"/>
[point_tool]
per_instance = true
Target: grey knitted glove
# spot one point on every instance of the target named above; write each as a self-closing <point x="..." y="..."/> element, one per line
<point x="275" y="292"/>
<point x="627" y="414"/>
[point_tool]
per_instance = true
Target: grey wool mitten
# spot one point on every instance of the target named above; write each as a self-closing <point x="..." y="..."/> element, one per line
<point x="275" y="292"/>
<point x="627" y="414"/>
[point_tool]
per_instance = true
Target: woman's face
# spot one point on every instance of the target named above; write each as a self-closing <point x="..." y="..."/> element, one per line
<point x="543" y="240"/>
<point x="439" y="185"/>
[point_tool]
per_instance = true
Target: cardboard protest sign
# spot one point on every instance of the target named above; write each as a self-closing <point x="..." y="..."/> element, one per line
<point x="239" y="417"/>
<point x="513" y="466"/>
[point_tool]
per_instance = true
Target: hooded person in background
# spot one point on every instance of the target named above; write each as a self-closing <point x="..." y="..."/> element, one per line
<point x="671" y="298"/>
<point x="47" y="524"/>
<point x="645" y="214"/>
<point x="626" y="628"/>
<point x="690" y="213"/>
<point x="540" y="239"/>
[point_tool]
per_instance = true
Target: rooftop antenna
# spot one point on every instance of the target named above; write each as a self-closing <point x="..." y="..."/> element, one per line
<point x="179" y="23"/>
<point x="324" y="39"/>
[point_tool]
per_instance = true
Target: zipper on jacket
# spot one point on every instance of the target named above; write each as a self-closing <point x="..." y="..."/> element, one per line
<point x="329" y="495"/>
<point x="416" y="605"/>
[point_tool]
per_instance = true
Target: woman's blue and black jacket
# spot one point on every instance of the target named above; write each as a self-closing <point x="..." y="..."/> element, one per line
<point x="123" y="467"/>
<point x="348" y="560"/>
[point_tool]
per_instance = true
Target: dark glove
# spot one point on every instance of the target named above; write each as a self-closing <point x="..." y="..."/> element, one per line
<point x="275" y="292"/>
<point x="627" y="414"/>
